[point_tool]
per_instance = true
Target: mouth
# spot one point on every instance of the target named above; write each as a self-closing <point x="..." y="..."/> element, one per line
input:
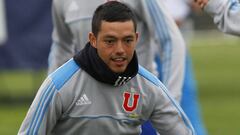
<point x="119" y="61"/>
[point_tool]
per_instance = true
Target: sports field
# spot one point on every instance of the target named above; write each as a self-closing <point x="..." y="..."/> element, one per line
<point x="217" y="65"/>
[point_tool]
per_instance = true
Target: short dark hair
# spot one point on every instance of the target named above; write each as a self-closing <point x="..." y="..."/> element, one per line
<point x="112" y="11"/>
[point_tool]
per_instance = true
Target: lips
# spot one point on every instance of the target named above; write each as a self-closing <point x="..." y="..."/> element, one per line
<point x="119" y="61"/>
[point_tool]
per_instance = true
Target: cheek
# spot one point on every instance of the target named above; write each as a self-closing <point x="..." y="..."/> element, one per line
<point x="130" y="51"/>
<point x="104" y="54"/>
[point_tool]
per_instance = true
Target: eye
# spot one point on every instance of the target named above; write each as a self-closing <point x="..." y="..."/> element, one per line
<point x="128" y="40"/>
<point x="109" y="41"/>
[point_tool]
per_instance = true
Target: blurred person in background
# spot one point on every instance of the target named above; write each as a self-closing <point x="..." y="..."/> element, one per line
<point x="72" y="21"/>
<point x="3" y="31"/>
<point x="225" y="13"/>
<point x="182" y="11"/>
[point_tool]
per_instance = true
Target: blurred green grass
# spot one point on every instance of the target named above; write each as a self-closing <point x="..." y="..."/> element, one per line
<point x="17" y="88"/>
<point x="217" y="67"/>
<point x="17" y="83"/>
<point x="11" y="117"/>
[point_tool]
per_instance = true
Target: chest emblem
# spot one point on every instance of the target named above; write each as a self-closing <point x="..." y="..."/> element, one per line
<point x="130" y="101"/>
<point x="83" y="100"/>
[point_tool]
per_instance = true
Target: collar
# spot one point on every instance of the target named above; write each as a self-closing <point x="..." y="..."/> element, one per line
<point x="89" y="61"/>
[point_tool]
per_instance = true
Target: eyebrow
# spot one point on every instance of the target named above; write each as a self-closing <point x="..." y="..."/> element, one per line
<point x="110" y="36"/>
<point x="130" y="36"/>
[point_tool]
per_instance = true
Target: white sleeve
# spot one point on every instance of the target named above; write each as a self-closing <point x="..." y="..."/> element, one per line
<point x="226" y="15"/>
<point x="170" y="44"/>
<point x="178" y="9"/>
<point x="62" y="47"/>
<point x="3" y="31"/>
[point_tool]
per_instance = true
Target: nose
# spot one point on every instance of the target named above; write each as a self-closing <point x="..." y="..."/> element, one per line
<point x="119" y="48"/>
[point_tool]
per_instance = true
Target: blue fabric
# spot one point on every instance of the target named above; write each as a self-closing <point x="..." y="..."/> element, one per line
<point x="190" y="102"/>
<point x="64" y="73"/>
<point x="147" y="129"/>
<point x="29" y="29"/>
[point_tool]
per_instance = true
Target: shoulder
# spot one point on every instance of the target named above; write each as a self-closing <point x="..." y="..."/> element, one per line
<point x="64" y="73"/>
<point x="149" y="76"/>
<point x="151" y="82"/>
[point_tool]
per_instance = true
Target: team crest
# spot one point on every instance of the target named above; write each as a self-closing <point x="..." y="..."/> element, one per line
<point x="130" y="101"/>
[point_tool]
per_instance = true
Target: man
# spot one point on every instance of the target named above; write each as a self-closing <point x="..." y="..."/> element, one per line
<point x="225" y="13"/>
<point x="72" y="21"/>
<point x="159" y="36"/>
<point x="102" y="90"/>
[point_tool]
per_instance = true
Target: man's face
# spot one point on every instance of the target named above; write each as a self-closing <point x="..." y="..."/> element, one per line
<point x="115" y="44"/>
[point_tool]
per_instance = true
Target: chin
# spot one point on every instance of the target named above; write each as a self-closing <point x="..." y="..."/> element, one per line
<point x="119" y="70"/>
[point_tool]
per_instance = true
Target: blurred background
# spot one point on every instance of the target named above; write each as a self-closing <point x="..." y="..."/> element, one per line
<point x="25" y="40"/>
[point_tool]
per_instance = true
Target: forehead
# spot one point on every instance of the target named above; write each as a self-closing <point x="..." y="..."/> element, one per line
<point x="119" y="28"/>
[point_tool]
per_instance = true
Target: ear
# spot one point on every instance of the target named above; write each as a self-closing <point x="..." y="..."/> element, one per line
<point x="92" y="39"/>
<point x="137" y="35"/>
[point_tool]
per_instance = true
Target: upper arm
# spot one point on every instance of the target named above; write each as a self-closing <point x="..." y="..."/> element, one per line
<point x="62" y="48"/>
<point x="61" y="31"/>
<point x="169" y="44"/>
<point x="44" y="111"/>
